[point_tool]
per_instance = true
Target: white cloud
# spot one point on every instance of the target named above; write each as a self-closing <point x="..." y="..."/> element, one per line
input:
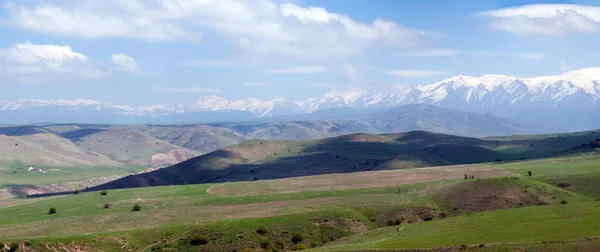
<point x="126" y="63"/>
<point x="532" y="56"/>
<point x="260" y="27"/>
<point x="27" y="59"/>
<point x="545" y="19"/>
<point x="187" y="89"/>
<point x="256" y="84"/>
<point x="351" y="73"/>
<point x="412" y="73"/>
<point x="297" y="70"/>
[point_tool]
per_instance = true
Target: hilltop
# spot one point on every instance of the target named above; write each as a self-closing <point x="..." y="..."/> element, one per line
<point x="261" y="159"/>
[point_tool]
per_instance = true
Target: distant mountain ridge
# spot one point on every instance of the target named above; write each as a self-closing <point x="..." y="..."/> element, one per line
<point x="500" y="95"/>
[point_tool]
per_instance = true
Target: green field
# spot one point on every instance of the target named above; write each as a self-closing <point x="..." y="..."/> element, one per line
<point x="427" y="208"/>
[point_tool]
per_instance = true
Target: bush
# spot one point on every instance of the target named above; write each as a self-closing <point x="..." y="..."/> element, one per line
<point x="136" y="208"/>
<point x="107" y="205"/>
<point x="13" y="246"/>
<point x="395" y="222"/>
<point x="76" y="191"/>
<point x="529" y="173"/>
<point x="299" y="247"/>
<point x="443" y="214"/>
<point x="265" y="244"/>
<point x="198" y="240"/>
<point x="261" y="230"/>
<point x="248" y="250"/>
<point x="280" y="244"/>
<point x="564" y="202"/>
<point x="52" y="210"/>
<point x="297" y="238"/>
<point x="314" y="244"/>
<point x="103" y="193"/>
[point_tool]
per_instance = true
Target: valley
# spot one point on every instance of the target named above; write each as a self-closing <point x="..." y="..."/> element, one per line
<point x="419" y="208"/>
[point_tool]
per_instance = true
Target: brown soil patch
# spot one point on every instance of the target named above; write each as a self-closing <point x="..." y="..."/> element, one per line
<point x="480" y="195"/>
<point x="353" y="226"/>
<point x="355" y="180"/>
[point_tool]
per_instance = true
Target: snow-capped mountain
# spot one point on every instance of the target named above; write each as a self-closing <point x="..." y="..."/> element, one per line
<point x="501" y="95"/>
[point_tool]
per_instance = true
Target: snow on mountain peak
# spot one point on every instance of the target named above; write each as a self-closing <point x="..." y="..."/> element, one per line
<point x="489" y="92"/>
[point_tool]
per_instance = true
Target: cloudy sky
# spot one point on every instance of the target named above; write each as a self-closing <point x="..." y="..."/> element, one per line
<point x="140" y="52"/>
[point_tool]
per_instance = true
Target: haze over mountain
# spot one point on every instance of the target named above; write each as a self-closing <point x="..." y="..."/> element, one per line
<point x="571" y="99"/>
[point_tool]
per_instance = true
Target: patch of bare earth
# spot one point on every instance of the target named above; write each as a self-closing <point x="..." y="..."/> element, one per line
<point x="353" y="226"/>
<point x="358" y="180"/>
<point x="478" y="196"/>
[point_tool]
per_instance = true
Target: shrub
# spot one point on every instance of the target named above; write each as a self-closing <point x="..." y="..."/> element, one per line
<point x="76" y="191"/>
<point x="314" y="244"/>
<point x="280" y="244"/>
<point x="52" y="210"/>
<point x="103" y="193"/>
<point x="529" y="173"/>
<point x="265" y="244"/>
<point x="198" y="240"/>
<point x="261" y="230"/>
<point x="466" y="176"/>
<point x="395" y="222"/>
<point x="136" y="208"/>
<point x="299" y="247"/>
<point x="429" y="216"/>
<point x="443" y="214"/>
<point x="13" y="246"/>
<point x="597" y="149"/>
<point x="564" y="202"/>
<point x="107" y="205"/>
<point x="297" y="238"/>
<point x="248" y="250"/>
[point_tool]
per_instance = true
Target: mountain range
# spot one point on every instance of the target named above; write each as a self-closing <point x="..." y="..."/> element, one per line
<point x="569" y="101"/>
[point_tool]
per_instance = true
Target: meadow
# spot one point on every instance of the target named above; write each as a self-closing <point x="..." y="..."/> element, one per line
<point x="501" y="208"/>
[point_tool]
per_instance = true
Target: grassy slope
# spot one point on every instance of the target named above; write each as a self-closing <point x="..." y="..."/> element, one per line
<point x="172" y="212"/>
<point x="532" y="224"/>
<point x="351" y="153"/>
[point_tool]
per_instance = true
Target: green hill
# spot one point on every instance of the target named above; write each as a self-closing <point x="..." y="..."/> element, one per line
<point x="500" y="209"/>
<point x="258" y="159"/>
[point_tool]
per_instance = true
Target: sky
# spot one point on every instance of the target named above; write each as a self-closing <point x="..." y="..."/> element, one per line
<point x="142" y="52"/>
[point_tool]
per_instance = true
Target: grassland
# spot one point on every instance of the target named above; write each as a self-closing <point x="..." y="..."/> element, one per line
<point x="502" y="208"/>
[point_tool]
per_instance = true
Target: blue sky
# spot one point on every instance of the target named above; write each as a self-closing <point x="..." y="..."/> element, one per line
<point x="136" y="52"/>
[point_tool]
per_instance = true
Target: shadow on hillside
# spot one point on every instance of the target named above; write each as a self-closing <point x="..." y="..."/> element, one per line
<point x="78" y="134"/>
<point x="21" y="130"/>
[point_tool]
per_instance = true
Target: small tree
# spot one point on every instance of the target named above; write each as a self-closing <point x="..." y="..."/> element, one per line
<point x="529" y="173"/>
<point x="261" y="230"/>
<point x="76" y="191"/>
<point x="297" y="238"/>
<point x="103" y="193"/>
<point x="136" y="208"/>
<point x="13" y="246"/>
<point x="52" y="210"/>
<point x="298" y="247"/>
<point x="198" y="240"/>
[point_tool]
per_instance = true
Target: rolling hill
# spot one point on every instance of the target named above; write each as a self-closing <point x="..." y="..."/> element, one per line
<point x="260" y="159"/>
